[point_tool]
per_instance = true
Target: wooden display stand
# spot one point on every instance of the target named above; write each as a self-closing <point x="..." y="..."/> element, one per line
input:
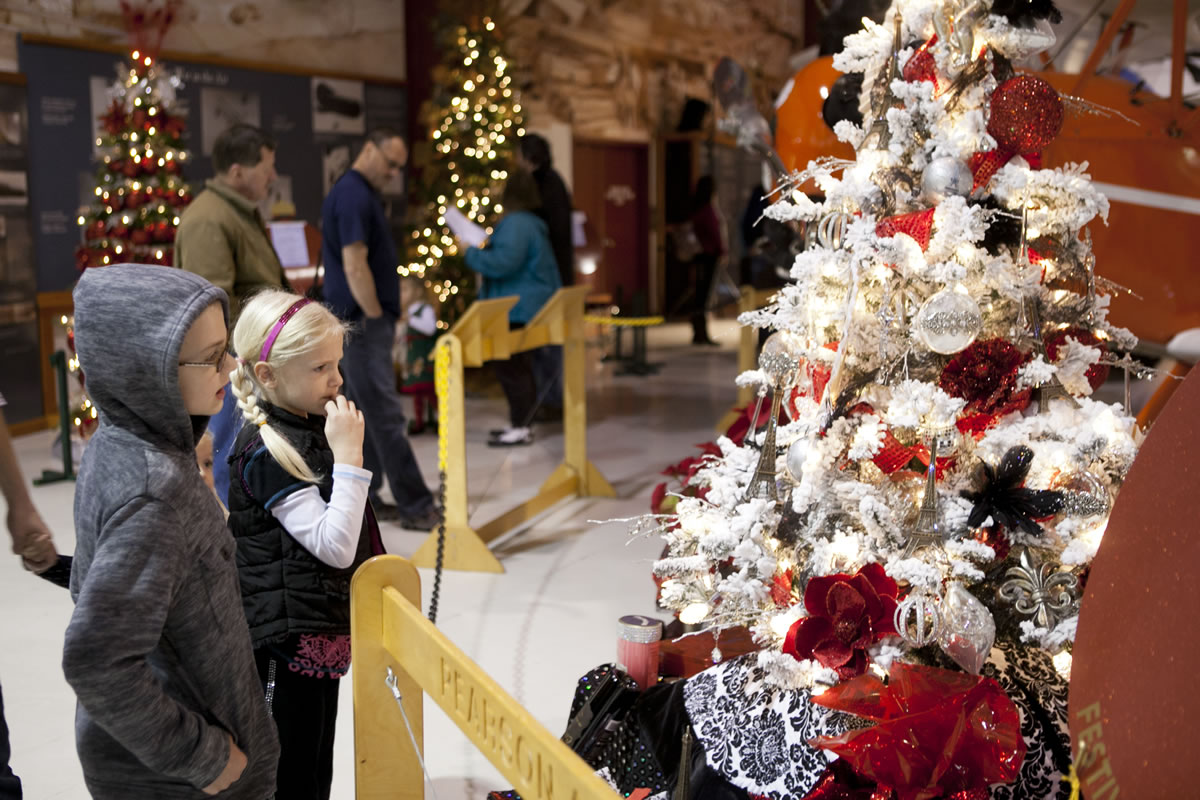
<point x="481" y="335"/>
<point x="752" y="299"/>
<point x="392" y="641"/>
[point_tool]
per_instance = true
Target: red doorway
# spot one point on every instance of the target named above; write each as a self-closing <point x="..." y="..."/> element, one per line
<point x="611" y="186"/>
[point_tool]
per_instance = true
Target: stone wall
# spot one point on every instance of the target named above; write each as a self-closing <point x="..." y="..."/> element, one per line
<point x="363" y="37"/>
<point x="622" y="69"/>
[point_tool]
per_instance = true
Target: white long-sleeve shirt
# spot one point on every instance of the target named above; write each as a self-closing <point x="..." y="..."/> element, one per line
<point x="330" y="530"/>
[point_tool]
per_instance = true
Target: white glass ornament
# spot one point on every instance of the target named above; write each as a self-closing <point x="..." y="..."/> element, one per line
<point x="968" y="630"/>
<point x="948" y="322"/>
<point x="780" y="358"/>
<point x="946" y="177"/>
<point x="797" y="454"/>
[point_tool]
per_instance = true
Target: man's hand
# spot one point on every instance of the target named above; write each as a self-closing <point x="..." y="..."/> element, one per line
<point x="31" y="539"/>
<point x="233" y="770"/>
<point x="344" y="431"/>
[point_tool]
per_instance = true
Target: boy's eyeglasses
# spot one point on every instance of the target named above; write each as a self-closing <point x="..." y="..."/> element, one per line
<point x="215" y="364"/>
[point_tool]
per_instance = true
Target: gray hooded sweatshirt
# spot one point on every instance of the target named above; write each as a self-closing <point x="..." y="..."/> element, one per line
<point x="158" y="651"/>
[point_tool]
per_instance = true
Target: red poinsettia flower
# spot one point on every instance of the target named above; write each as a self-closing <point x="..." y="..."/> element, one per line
<point x="846" y="614"/>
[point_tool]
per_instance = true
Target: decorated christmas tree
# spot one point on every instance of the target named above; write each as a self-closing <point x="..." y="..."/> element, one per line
<point x="473" y="119"/>
<point x="140" y="192"/>
<point x="933" y="477"/>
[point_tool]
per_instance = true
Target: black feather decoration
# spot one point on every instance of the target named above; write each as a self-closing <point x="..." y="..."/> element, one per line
<point x="1002" y="497"/>
<point x="1004" y="227"/>
<point x="1026" y="13"/>
<point x="842" y="102"/>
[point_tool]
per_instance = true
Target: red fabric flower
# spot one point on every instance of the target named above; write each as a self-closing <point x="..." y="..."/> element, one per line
<point x="846" y="614"/>
<point x="985" y="375"/>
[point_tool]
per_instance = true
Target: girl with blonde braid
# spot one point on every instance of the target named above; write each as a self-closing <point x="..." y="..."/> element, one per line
<point x="298" y="510"/>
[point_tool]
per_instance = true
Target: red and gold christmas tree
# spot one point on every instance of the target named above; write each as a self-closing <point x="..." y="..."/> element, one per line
<point x="140" y="191"/>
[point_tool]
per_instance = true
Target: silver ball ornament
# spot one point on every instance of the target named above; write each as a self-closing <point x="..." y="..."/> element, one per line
<point x="948" y="322"/>
<point x="946" y="177"/>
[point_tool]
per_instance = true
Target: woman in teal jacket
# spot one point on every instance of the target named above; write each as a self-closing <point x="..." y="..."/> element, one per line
<point x="517" y="260"/>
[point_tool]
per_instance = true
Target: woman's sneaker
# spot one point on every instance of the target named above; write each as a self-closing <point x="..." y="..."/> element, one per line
<point x="511" y="437"/>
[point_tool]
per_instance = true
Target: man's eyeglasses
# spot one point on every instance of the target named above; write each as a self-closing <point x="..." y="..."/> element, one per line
<point x="215" y="364"/>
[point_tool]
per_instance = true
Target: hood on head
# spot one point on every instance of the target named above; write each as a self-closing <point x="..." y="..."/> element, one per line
<point x="130" y="322"/>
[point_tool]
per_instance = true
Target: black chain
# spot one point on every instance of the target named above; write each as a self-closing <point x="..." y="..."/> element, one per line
<point x="441" y="551"/>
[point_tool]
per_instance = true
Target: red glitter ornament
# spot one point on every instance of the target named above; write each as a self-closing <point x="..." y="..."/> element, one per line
<point x="985" y="375"/>
<point x="1027" y="114"/>
<point x="918" y="225"/>
<point x="921" y="67"/>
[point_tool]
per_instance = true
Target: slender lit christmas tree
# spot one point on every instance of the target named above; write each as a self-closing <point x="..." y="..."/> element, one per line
<point x="939" y="478"/>
<point x="473" y="119"/>
<point x="140" y="191"/>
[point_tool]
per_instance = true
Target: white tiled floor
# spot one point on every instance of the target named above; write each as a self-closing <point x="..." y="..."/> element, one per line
<point x="534" y="629"/>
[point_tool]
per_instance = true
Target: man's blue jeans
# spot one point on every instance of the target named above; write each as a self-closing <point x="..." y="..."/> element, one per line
<point x="371" y="384"/>
<point x="224" y="427"/>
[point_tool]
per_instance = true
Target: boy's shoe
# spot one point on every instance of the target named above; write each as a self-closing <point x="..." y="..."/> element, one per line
<point x="512" y="437"/>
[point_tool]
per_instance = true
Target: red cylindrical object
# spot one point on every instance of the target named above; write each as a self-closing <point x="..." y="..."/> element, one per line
<point x="637" y="648"/>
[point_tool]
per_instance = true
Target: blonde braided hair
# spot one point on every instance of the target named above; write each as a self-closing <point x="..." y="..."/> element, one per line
<point x="309" y="326"/>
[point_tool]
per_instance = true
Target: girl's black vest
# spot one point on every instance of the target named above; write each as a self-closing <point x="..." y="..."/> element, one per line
<point x="285" y="589"/>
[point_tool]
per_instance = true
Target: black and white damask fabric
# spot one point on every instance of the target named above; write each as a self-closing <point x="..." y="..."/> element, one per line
<point x="1029" y="678"/>
<point x="755" y="734"/>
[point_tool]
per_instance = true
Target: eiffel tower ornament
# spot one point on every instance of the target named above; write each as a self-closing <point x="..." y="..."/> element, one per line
<point x="763" y="483"/>
<point x="779" y="363"/>
<point x="882" y="97"/>
<point x="926" y="531"/>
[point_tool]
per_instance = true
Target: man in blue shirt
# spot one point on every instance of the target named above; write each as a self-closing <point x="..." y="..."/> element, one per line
<point x="363" y="287"/>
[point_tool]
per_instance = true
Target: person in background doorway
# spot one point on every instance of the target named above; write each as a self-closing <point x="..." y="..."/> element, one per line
<point x="31" y="541"/>
<point x="517" y="260"/>
<point x="221" y="237"/>
<point x="533" y="156"/>
<point x="417" y="342"/>
<point x="709" y="230"/>
<point x="362" y="288"/>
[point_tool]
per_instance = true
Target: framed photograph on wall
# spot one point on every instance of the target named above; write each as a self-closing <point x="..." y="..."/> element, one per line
<point x="338" y="106"/>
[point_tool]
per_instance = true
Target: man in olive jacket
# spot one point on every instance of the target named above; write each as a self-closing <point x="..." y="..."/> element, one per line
<point x="221" y="237"/>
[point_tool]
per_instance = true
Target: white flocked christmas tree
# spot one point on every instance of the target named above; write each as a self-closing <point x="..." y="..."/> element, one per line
<point x="934" y="354"/>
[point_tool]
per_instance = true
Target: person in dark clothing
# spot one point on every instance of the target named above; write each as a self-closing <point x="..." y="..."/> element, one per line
<point x="707" y="225"/>
<point x="362" y="287"/>
<point x="533" y="156"/>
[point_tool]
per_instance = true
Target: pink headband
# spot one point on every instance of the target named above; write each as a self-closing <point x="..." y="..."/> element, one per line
<point x="278" y="326"/>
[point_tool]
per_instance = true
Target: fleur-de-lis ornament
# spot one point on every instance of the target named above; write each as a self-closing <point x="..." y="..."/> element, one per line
<point x="1039" y="590"/>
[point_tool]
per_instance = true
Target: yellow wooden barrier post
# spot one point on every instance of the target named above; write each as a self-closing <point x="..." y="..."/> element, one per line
<point x="385" y="765"/>
<point x="480" y="335"/>
<point x="392" y="632"/>
<point x="751" y="300"/>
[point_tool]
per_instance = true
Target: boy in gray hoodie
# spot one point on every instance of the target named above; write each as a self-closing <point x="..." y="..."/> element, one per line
<point x="158" y="652"/>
